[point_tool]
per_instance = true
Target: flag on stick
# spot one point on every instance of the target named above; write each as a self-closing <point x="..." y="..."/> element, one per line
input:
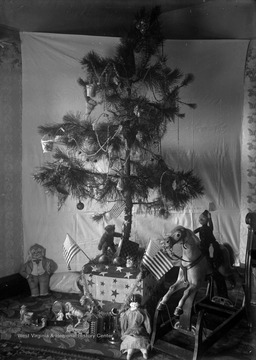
<point x="156" y="261"/>
<point x="117" y="209"/>
<point x="70" y="249"/>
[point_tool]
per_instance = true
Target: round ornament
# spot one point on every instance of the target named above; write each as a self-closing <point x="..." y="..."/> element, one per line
<point x="80" y="205"/>
<point x="103" y="259"/>
<point x="117" y="261"/>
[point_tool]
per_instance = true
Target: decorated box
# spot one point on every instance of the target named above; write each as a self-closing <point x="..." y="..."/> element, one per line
<point x="110" y="285"/>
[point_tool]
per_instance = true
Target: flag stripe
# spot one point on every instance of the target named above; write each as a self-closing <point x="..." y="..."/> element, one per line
<point x="70" y="249"/>
<point x="156" y="261"/>
<point x="71" y="253"/>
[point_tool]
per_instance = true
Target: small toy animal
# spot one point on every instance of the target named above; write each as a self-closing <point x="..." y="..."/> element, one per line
<point x="71" y="311"/>
<point x="25" y="316"/>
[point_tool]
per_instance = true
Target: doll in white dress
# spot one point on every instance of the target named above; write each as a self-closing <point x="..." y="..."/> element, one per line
<point x="135" y="328"/>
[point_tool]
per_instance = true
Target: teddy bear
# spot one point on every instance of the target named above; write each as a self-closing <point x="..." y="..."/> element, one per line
<point x="37" y="270"/>
<point x="107" y="239"/>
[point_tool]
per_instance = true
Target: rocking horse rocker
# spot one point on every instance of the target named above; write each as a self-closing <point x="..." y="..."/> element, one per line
<point x="195" y="269"/>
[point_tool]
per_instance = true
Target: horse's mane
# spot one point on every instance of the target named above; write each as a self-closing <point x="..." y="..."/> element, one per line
<point x="193" y="236"/>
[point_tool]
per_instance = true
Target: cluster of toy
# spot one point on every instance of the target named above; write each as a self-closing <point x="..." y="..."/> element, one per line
<point x="28" y="318"/>
<point x="112" y="253"/>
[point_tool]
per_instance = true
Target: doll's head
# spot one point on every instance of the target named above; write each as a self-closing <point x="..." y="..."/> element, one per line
<point x="203" y="218"/>
<point x="135" y="302"/>
<point x="36" y="252"/>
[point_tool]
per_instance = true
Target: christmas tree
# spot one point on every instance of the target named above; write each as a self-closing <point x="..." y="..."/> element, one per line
<point x="110" y="153"/>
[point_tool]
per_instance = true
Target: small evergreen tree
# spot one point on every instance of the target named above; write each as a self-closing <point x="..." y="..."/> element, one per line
<point x="130" y="98"/>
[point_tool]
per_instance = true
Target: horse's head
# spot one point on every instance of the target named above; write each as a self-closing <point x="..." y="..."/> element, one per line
<point x="178" y="235"/>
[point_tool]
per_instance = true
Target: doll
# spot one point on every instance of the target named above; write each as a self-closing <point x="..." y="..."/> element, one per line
<point x="135" y="328"/>
<point x="107" y="239"/>
<point x="208" y="244"/>
<point x="211" y="248"/>
<point x="37" y="270"/>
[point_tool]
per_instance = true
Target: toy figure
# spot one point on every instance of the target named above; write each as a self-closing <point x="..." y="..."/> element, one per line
<point x="23" y="311"/>
<point x="129" y="261"/>
<point x="135" y="328"/>
<point x="211" y="248"/>
<point x="25" y="316"/>
<point x="60" y="316"/>
<point x="44" y="322"/>
<point x="107" y="239"/>
<point x="72" y="311"/>
<point x="209" y="245"/>
<point x="37" y="270"/>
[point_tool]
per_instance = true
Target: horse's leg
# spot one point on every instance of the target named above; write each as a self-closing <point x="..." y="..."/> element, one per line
<point x="179" y="284"/>
<point x="191" y="289"/>
<point x="78" y="322"/>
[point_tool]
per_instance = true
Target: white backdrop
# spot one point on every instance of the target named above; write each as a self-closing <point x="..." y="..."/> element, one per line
<point x="208" y="140"/>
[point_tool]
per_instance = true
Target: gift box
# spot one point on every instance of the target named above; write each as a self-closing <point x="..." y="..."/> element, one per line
<point x="111" y="285"/>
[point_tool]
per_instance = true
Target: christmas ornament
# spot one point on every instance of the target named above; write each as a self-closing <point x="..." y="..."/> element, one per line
<point x="47" y="144"/>
<point x="137" y="111"/>
<point x="103" y="259"/>
<point x="120" y="185"/>
<point x="139" y="136"/>
<point x="90" y="90"/>
<point x="142" y="26"/>
<point x="80" y="205"/>
<point x="118" y="261"/>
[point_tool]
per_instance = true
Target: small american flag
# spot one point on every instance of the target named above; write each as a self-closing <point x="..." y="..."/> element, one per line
<point x="117" y="209"/>
<point x="156" y="261"/>
<point x="70" y="249"/>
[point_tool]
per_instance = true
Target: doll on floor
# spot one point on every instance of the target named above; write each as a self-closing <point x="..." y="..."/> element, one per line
<point x="135" y="328"/>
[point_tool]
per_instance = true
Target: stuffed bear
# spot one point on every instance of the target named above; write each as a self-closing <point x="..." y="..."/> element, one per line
<point x="107" y="239"/>
<point x="37" y="270"/>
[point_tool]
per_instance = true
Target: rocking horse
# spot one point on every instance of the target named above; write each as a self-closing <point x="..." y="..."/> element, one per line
<point x="195" y="266"/>
<point x="197" y="323"/>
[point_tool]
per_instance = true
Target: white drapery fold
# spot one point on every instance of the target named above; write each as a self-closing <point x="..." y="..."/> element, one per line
<point x="248" y="154"/>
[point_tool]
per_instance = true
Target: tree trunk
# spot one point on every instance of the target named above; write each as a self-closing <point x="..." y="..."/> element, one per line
<point x="128" y="197"/>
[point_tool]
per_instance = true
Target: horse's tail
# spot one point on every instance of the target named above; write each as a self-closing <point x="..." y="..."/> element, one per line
<point x="231" y="253"/>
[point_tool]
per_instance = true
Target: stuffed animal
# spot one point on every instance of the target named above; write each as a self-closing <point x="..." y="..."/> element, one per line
<point x="37" y="270"/>
<point x="107" y="239"/>
<point x="135" y="328"/>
